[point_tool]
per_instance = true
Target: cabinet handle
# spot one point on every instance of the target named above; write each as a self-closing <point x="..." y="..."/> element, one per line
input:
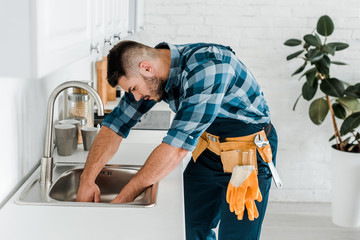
<point x="108" y="41"/>
<point x="131" y="31"/>
<point x="117" y="36"/>
<point x="141" y="28"/>
<point x="95" y="47"/>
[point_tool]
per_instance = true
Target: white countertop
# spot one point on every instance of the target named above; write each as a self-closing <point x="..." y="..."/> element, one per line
<point x="163" y="221"/>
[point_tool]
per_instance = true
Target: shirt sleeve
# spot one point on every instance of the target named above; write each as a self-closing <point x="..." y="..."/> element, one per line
<point x="126" y="114"/>
<point x="204" y="89"/>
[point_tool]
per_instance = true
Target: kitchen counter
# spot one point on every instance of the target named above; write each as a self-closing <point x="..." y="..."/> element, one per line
<point x="163" y="221"/>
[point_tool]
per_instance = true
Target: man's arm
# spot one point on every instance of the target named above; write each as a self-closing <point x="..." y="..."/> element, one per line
<point x="102" y="150"/>
<point x="161" y="162"/>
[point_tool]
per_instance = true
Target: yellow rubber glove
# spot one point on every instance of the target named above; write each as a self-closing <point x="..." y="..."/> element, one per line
<point x="242" y="191"/>
<point x="250" y="206"/>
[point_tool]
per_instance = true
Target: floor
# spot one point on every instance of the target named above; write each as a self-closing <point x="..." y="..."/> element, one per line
<point x="303" y="221"/>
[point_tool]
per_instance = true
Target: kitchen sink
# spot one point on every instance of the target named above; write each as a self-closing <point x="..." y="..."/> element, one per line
<point x="111" y="179"/>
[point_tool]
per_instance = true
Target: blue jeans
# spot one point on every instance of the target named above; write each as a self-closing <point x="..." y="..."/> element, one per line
<point x="205" y="185"/>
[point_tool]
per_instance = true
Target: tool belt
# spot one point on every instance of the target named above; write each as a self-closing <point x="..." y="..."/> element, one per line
<point x="236" y="150"/>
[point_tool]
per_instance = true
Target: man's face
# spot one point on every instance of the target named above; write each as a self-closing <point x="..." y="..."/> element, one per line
<point x="144" y="87"/>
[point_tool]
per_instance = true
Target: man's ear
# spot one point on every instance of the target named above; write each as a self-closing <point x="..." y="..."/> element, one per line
<point x="146" y="68"/>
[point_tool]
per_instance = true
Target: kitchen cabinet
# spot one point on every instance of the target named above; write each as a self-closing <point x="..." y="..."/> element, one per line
<point x="122" y="17"/>
<point x="42" y="36"/>
<point x="62" y="33"/>
<point x="136" y="16"/>
<point x="109" y="18"/>
<point x="116" y="22"/>
<point x="139" y="26"/>
<point x="45" y="35"/>
<point x="98" y="25"/>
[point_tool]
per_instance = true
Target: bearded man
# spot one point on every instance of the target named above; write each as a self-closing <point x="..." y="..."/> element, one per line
<point x="220" y="110"/>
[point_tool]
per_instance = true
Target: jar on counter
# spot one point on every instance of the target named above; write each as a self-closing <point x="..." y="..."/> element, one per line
<point x="80" y="106"/>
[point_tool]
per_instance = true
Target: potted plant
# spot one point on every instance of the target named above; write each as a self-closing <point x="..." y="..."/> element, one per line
<point x="341" y="100"/>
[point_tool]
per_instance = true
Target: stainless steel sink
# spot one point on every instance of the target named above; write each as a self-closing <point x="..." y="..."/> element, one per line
<point x="111" y="180"/>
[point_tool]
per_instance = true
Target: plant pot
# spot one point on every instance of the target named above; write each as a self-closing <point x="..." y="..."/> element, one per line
<point x="345" y="188"/>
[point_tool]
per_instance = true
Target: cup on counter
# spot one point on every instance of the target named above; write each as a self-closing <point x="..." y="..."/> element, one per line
<point x="64" y="139"/>
<point x="88" y="136"/>
<point x="76" y="123"/>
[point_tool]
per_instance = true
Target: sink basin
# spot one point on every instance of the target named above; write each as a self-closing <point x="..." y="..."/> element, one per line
<point x="110" y="180"/>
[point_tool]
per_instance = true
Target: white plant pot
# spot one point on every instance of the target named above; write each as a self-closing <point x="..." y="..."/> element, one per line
<point x="345" y="188"/>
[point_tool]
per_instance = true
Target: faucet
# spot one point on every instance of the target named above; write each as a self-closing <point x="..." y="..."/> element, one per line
<point x="47" y="161"/>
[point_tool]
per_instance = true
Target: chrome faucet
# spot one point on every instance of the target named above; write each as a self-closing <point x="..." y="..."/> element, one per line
<point x="47" y="162"/>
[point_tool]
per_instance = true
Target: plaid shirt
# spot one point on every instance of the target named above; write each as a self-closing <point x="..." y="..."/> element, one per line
<point x="206" y="81"/>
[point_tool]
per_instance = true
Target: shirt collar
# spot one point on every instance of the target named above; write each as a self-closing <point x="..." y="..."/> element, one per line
<point x="175" y="68"/>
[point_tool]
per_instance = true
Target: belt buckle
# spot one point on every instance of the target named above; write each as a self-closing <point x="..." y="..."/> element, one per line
<point x="211" y="138"/>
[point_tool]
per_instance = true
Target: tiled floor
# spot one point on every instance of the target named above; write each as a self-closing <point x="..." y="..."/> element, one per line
<point x="303" y="221"/>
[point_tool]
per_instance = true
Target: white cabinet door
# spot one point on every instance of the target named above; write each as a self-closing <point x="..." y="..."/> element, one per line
<point x="50" y="34"/>
<point x="132" y="17"/>
<point x="139" y="15"/>
<point x="136" y="16"/>
<point x="98" y="19"/>
<point x="116" y="21"/>
<point x="63" y="33"/>
<point x="124" y="27"/>
<point x="109" y="18"/>
<point x="117" y="16"/>
<point x="121" y="17"/>
<point x="98" y="27"/>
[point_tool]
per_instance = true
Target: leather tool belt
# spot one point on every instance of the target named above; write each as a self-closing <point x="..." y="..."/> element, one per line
<point x="234" y="151"/>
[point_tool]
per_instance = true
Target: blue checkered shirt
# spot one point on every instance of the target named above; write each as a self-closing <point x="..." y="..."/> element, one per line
<point x="206" y="81"/>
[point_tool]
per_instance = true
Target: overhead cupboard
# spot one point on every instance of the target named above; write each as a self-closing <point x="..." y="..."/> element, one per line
<point x="49" y="34"/>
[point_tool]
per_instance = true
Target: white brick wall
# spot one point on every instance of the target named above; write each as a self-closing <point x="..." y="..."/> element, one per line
<point x="256" y="31"/>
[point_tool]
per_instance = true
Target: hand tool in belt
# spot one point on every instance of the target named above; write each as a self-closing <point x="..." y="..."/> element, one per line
<point x="263" y="146"/>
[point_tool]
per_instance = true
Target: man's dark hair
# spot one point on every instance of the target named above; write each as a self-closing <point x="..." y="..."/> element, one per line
<point x="123" y="58"/>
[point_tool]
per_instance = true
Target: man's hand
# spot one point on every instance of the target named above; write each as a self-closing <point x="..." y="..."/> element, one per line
<point x="102" y="150"/>
<point x="162" y="161"/>
<point x="127" y="194"/>
<point x="120" y="199"/>
<point x="88" y="192"/>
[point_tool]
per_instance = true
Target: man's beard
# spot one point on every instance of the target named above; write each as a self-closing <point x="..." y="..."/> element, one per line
<point x="156" y="87"/>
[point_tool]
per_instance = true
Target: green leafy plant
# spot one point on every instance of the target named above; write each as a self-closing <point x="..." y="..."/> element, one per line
<point x="340" y="98"/>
